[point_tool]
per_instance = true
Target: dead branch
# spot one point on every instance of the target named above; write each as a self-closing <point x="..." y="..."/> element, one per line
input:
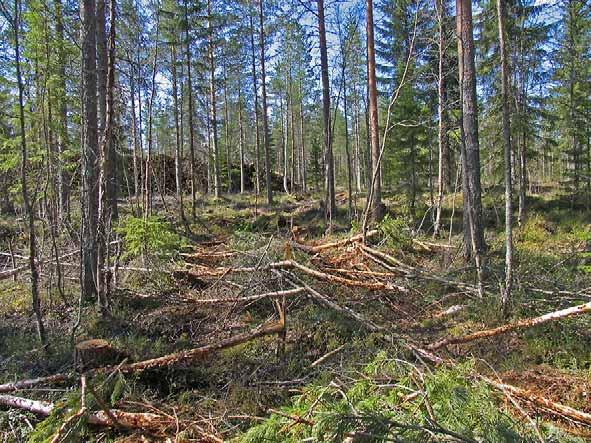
<point x="326" y="302"/>
<point x="272" y="294"/>
<point x="25" y="384"/>
<point x="392" y="264"/>
<point x="542" y="402"/>
<point x="452" y="310"/>
<point x="328" y="355"/>
<point x="520" y="324"/>
<point x="7" y="274"/>
<point x="337" y="244"/>
<point x="203" y="271"/>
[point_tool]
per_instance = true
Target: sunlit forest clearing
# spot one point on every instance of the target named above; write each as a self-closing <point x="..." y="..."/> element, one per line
<point x="266" y="221"/>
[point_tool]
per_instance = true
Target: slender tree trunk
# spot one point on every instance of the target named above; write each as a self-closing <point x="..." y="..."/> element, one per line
<point x="442" y="127"/>
<point x="522" y="169"/>
<point x="90" y="155"/>
<point x="284" y="129"/>
<point x="345" y="109"/>
<point x="148" y="167"/>
<point x="190" y="116"/>
<point x="241" y="137"/>
<point x="29" y="209"/>
<point x="106" y="209"/>
<point x="63" y="139"/>
<point x="291" y="109"/>
<point x="135" y="136"/>
<point x="178" y="172"/>
<point x="227" y="130"/>
<point x="302" y="140"/>
<point x="264" y="97"/>
<point x="102" y="68"/>
<point x="358" y="155"/>
<point x="377" y="209"/>
<point x="506" y="292"/>
<point x="257" y="156"/>
<point x="327" y="142"/>
<point x="217" y="181"/>
<point x="101" y="54"/>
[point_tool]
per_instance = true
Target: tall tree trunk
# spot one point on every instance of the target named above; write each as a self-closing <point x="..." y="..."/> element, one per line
<point x="257" y="156"/>
<point x="470" y="135"/>
<point x="291" y="108"/>
<point x="358" y="155"/>
<point x="148" y="166"/>
<point x="241" y="137"/>
<point x="302" y="141"/>
<point x="101" y="54"/>
<point x="506" y="292"/>
<point x="90" y="154"/>
<point x="266" y="134"/>
<point x="284" y="129"/>
<point x="375" y="188"/>
<point x="442" y="126"/>
<point x="63" y="177"/>
<point x="190" y="112"/>
<point x="217" y="181"/>
<point x="28" y="207"/>
<point x="345" y="109"/>
<point x="102" y="68"/>
<point x="227" y="129"/>
<point x="135" y="136"/>
<point x="106" y="208"/>
<point x="178" y="172"/>
<point x="327" y="141"/>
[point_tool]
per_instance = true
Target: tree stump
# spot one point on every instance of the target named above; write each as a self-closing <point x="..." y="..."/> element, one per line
<point x="97" y="353"/>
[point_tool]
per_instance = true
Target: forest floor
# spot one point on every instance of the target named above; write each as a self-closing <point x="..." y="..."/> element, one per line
<point x="358" y="360"/>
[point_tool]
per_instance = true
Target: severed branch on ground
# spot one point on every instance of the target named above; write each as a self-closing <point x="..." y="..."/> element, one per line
<point x="159" y="362"/>
<point x="197" y="353"/>
<point x="246" y="299"/>
<point x="542" y="402"/>
<point x="203" y="271"/>
<point x="337" y="244"/>
<point x="26" y="384"/>
<point x="520" y="324"/>
<point x="394" y="265"/>
<point x="131" y="420"/>
<point x="326" y="302"/>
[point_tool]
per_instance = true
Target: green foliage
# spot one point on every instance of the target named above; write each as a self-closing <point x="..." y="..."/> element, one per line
<point x="396" y="231"/>
<point x="376" y="405"/>
<point x="149" y="236"/>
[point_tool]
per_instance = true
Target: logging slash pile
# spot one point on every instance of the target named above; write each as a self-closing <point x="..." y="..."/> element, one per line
<point x="274" y="338"/>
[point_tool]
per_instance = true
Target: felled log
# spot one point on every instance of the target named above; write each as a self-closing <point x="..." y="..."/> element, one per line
<point x="167" y="360"/>
<point x="542" y="402"/>
<point x="15" y="271"/>
<point x="196" y="353"/>
<point x="520" y="324"/>
<point x="131" y="420"/>
<point x="36" y="407"/>
<point x="336" y="244"/>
